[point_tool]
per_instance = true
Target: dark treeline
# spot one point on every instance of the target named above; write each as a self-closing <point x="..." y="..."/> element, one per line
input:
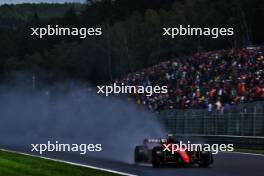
<point x="132" y="36"/>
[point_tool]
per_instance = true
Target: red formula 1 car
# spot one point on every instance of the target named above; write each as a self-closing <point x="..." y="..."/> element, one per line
<point x="158" y="153"/>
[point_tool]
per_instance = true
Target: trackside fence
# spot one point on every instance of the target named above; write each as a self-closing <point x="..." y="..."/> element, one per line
<point x="244" y="123"/>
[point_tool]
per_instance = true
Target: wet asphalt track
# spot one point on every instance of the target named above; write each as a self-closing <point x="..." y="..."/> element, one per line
<point x="226" y="164"/>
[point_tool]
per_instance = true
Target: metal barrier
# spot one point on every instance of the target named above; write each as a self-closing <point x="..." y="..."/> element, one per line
<point x="242" y="120"/>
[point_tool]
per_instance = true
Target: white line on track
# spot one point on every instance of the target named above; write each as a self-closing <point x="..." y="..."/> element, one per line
<point x="71" y="163"/>
<point x="144" y="164"/>
<point x="244" y="153"/>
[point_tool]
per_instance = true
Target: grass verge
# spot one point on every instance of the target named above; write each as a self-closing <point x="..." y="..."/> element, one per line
<point x="12" y="164"/>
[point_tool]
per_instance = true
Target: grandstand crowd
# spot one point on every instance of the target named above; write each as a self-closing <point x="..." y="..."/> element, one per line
<point x="212" y="80"/>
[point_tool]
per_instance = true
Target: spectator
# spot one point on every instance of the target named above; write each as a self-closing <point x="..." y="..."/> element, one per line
<point x="222" y="78"/>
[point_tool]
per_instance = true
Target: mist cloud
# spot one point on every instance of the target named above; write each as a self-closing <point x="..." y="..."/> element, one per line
<point x="74" y="115"/>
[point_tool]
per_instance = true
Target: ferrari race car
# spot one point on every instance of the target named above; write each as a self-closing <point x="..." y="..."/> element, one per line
<point x="160" y="152"/>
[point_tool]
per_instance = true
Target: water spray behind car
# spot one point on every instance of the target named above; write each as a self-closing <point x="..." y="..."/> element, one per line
<point x="74" y="115"/>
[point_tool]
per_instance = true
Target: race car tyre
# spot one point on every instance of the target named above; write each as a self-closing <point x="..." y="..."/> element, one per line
<point x="157" y="158"/>
<point x="141" y="154"/>
<point x="205" y="159"/>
